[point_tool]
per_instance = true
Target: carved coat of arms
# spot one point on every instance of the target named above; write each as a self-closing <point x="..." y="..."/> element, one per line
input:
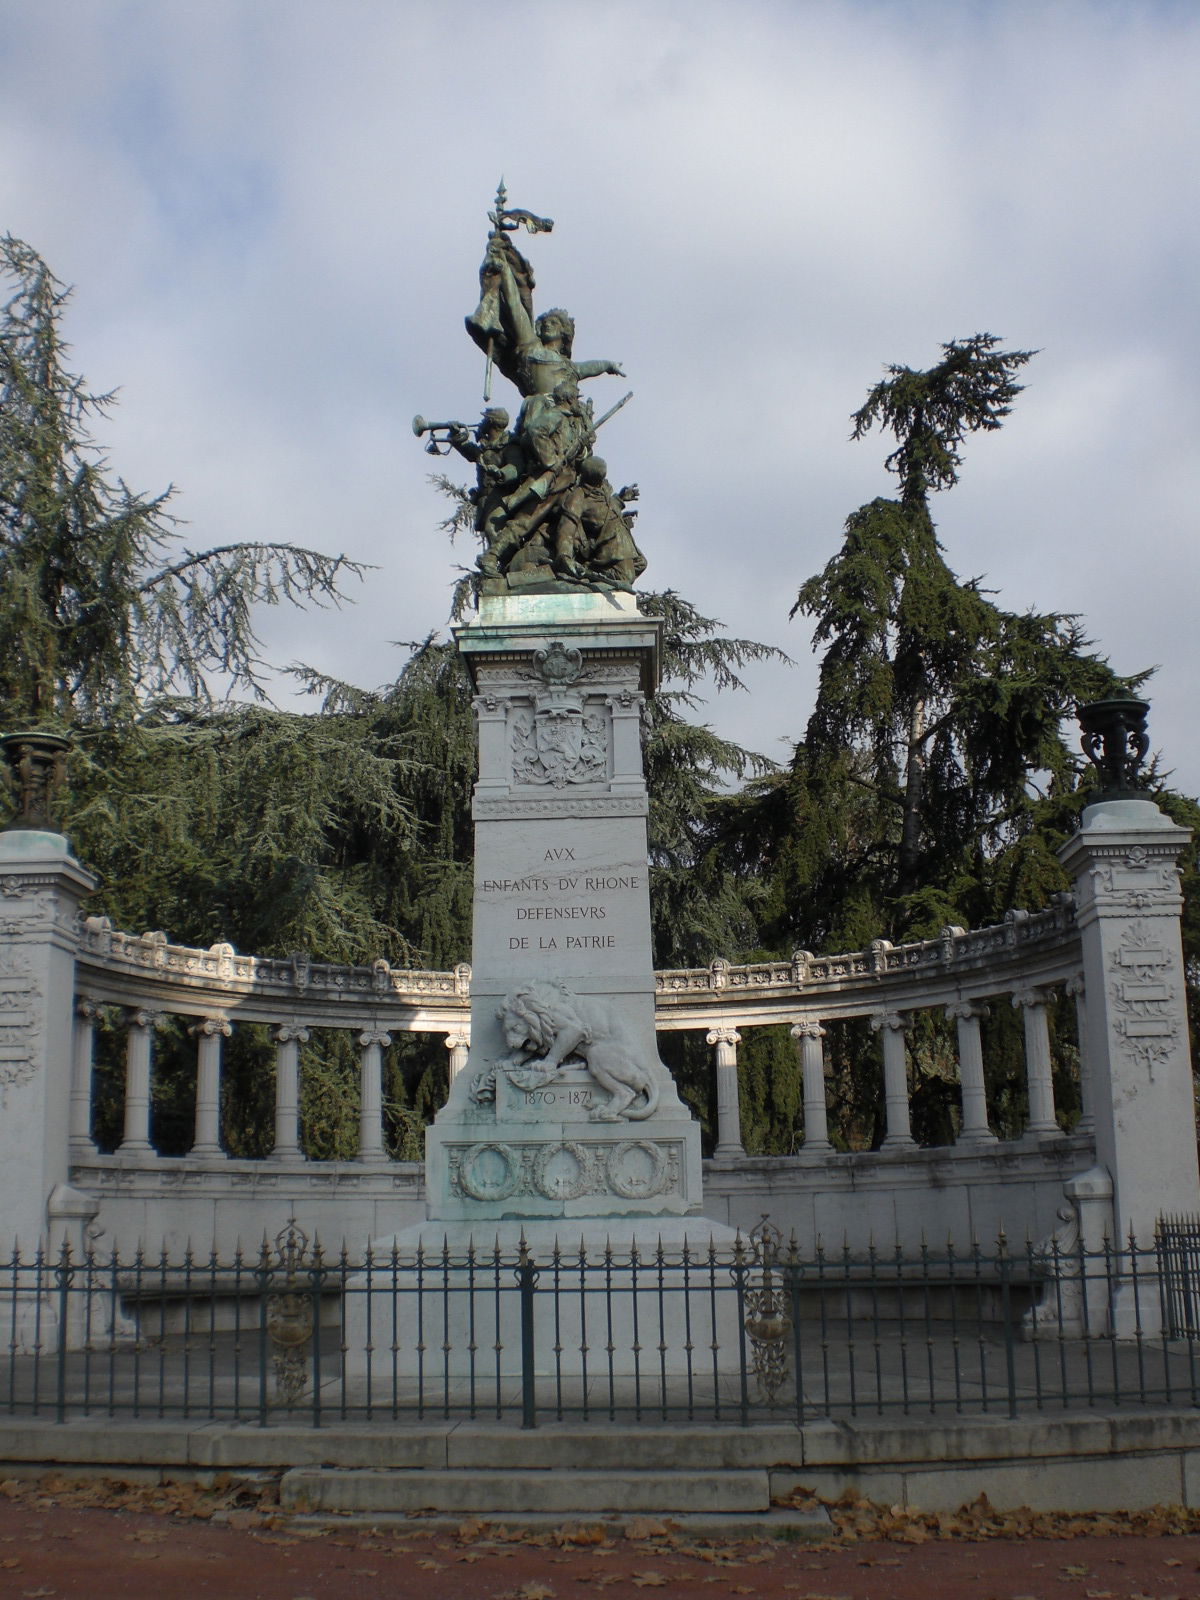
<point x="559" y="742"/>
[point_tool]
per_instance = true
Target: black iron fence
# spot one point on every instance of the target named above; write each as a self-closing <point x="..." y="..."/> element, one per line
<point x="738" y="1336"/>
<point x="1178" y="1243"/>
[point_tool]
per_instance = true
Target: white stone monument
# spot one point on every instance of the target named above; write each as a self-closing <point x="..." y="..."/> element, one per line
<point x="564" y="1111"/>
<point x="1128" y="902"/>
<point x="563" y="1133"/>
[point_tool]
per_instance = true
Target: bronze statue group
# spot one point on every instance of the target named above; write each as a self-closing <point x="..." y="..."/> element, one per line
<point x="544" y="507"/>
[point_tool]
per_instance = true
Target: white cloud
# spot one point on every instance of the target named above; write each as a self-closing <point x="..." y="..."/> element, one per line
<point x="274" y="214"/>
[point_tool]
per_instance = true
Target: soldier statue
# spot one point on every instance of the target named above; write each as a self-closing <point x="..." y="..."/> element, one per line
<point x="543" y="505"/>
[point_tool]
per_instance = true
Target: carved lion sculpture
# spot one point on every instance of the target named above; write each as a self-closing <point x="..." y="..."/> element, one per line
<point x="554" y="1024"/>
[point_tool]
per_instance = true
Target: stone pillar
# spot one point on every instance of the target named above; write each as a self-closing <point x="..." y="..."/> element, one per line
<point x="729" y="1109"/>
<point x="491" y="730"/>
<point x="371" y="1044"/>
<point x="967" y="1014"/>
<point x="1128" y="904"/>
<point x="288" y="1038"/>
<point x="208" y="1035"/>
<point x="565" y="1110"/>
<point x="1042" y="1121"/>
<point x="458" y="1045"/>
<point x="809" y="1035"/>
<point x="626" y="712"/>
<point x="82" y="1062"/>
<point x="139" y="1047"/>
<point x="893" y="1025"/>
<point x="41" y="888"/>
<point x="1087" y="1121"/>
<point x="1076" y="1303"/>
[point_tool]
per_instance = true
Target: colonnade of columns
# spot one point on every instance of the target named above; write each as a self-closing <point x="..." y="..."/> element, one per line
<point x="893" y="1027"/>
<point x="210" y="1034"/>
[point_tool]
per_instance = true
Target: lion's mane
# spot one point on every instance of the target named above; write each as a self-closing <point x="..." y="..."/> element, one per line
<point x="543" y="1010"/>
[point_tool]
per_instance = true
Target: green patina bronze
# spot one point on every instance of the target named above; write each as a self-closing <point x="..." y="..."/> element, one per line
<point x="544" y="508"/>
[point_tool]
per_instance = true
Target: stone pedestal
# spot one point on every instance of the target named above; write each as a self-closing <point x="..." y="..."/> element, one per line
<point x="563" y="1131"/>
<point x="563" y="1110"/>
<point x="1139" y="1064"/>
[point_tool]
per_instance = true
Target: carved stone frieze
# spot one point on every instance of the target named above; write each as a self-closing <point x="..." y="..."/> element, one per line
<point x="1145" y="1012"/>
<point x="20" y="1023"/>
<point x="31" y="905"/>
<point x="633" y="1169"/>
<point x="1135" y="878"/>
<point x="13" y="887"/>
<point x="498" y="810"/>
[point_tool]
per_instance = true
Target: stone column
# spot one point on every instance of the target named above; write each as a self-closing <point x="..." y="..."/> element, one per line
<point x="967" y="1014"/>
<point x="809" y="1035"/>
<point x="208" y="1035"/>
<point x="458" y="1045"/>
<point x="371" y="1044"/>
<point x="41" y="889"/>
<point x="82" y="1062"/>
<point x="1087" y="1121"/>
<point x="729" y="1109"/>
<point x="1042" y="1121"/>
<point x="288" y="1038"/>
<point x="893" y="1025"/>
<point x="1128" y="904"/>
<point x="139" y="1047"/>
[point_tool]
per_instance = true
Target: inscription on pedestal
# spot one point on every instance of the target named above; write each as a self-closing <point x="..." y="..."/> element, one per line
<point x="562" y="906"/>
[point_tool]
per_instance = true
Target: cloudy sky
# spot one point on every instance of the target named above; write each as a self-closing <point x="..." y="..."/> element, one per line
<point x="273" y="212"/>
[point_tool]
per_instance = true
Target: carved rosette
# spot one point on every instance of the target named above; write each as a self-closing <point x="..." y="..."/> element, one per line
<point x="633" y="1169"/>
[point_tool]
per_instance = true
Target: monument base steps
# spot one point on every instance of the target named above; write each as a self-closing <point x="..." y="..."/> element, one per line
<point x="1074" y="1462"/>
<point x="562" y="1492"/>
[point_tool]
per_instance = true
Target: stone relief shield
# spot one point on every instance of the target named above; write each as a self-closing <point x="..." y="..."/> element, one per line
<point x="558" y="742"/>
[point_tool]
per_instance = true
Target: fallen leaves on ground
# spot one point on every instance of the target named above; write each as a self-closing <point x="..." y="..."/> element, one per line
<point x="856" y="1520"/>
<point x="241" y="1504"/>
<point x="254" y="1506"/>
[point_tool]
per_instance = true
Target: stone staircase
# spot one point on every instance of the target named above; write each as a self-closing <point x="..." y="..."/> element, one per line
<point x="563" y="1492"/>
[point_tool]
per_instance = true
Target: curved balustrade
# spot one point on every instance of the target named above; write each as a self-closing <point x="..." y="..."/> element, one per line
<point x="1027" y="948"/>
<point x="116" y="968"/>
<point x="146" y="976"/>
<point x="302" y="1029"/>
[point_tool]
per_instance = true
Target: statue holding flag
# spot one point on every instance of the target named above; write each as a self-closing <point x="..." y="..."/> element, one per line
<point x="537" y="499"/>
